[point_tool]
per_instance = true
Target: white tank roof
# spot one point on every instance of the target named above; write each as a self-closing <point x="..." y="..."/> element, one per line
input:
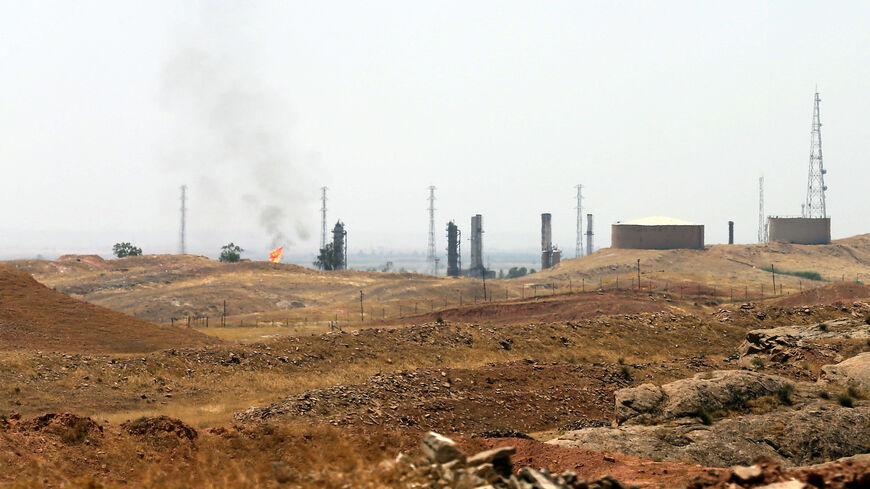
<point x="658" y="221"/>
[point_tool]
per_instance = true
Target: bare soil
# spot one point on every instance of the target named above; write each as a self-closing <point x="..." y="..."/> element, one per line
<point x="34" y="317"/>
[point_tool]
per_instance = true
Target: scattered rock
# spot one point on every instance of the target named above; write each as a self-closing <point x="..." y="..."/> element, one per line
<point x="440" y="449"/>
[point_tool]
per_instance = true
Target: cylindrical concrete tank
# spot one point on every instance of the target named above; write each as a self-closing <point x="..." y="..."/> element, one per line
<point x="657" y="233"/>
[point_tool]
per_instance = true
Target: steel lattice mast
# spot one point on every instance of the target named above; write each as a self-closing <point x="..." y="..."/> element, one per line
<point x="182" y="247"/>
<point x="430" y="252"/>
<point x="578" y="247"/>
<point x="323" y="217"/>
<point x="815" y="204"/>
<point x="762" y="238"/>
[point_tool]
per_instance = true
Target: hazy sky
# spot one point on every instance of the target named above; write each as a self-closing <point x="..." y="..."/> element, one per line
<point x="657" y="108"/>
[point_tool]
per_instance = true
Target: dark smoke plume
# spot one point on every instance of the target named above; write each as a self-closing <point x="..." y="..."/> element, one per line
<point x="236" y="141"/>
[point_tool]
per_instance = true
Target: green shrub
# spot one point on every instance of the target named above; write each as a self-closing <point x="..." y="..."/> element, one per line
<point x="845" y="400"/>
<point x="626" y="372"/>
<point x="809" y="275"/>
<point x="439" y="319"/>
<point x="705" y="416"/>
<point x="784" y="394"/>
<point x="758" y="362"/>
<point x="855" y="392"/>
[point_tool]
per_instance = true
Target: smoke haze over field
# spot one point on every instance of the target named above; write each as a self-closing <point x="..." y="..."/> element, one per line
<point x="675" y="108"/>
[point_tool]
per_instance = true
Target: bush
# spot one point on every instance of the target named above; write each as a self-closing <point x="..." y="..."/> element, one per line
<point x="855" y="392"/>
<point x="121" y="250"/>
<point x="784" y="394"/>
<point x="705" y="416"/>
<point x="845" y="400"/>
<point x="439" y="319"/>
<point x="515" y="272"/>
<point x="758" y="362"/>
<point x="809" y="275"/>
<point x="231" y="253"/>
<point x="626" y="372"/>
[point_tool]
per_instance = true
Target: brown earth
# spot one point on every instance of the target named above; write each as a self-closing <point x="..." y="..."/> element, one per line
<point x="843" y="292"/>
<point x="592" y="464"/>
<point x="523" y="396"/>
<point x="546" y="309"/>
<point x="34" y="317"/>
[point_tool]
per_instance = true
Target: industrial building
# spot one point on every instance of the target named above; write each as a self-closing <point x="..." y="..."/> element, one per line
<point x="339" y="246"/>
<point x="799" y="230"/>
<point x="454" y="258"/>
<point x="657" y="233"/>
<point x="477" y="269"/>
<point x="550" y="255"/>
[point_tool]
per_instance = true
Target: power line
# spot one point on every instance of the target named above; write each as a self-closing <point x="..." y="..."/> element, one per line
<point x="182" y="248"/>
<point x="431" y="260"/>
<point x="323" y="217"/>
<point x="578" y="247"/>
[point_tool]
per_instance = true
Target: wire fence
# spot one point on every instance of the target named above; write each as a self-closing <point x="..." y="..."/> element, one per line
<point x="374" y="310"/>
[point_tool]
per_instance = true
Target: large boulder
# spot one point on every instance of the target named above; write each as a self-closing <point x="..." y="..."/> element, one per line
<point x="816" y="433"/>
<point x="788" y="343"/>
<point x="852" y="372"/>
<point x="709" y="391"/>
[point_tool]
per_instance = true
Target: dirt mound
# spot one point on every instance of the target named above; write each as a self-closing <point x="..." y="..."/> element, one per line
<point x="159" y="426"/>
<point x="71" y="428"/>
<point x="563" y="307"/>
<point x="35" y="317"/>
<point x="843" y="292"/>
<point x="524" y="396"/>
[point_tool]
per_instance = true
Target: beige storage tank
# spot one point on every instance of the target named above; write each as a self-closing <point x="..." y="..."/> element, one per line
<point x="657" y="233"/>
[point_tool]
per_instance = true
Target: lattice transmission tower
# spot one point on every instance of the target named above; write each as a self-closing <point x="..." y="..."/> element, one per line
<point x="578" y="247"/>
<point x="815" y="204"/>
<point x="323" y="217"/>
<point x="431" y="260"/>
<point x="762" y="226"/>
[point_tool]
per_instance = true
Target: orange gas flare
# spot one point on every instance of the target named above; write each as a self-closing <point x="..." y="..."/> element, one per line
<point x="275" y="256"/>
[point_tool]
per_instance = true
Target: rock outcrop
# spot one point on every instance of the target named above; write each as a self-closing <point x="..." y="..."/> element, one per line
<point x="817" y="432"/>
<point x="852" y="372"/>
<point x="787" y="343"/>
<point x="709" y="391"/>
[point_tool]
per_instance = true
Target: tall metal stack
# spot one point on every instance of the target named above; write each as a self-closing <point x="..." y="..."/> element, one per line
<point x="454" y="258"/>
<point x="546" y="241"/>
<point x="476" y="244"/>
<point x="588" y="234"/>
<point x="730" y="232"/>
<point x="339" y="245"/>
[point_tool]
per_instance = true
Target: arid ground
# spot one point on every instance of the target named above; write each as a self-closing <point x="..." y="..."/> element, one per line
<point x="668" y="383"/>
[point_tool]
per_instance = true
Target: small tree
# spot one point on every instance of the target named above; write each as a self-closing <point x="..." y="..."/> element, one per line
<point x="328" y="259"/>
<point x="231" y="253"/>
<point x="125" y="249"/>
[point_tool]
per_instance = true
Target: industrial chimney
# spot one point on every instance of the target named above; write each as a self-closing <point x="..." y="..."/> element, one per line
<point x="730" y="232"/>
<point x="589" y="234"/>
<point x="454" y="260"/>
<point x="339" y="245"/>
<point x="546" y="241"/>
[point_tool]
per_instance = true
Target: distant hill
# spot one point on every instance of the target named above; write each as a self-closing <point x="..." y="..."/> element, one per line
<point x="725" y="265"/>
<point x="34" y="317"/>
